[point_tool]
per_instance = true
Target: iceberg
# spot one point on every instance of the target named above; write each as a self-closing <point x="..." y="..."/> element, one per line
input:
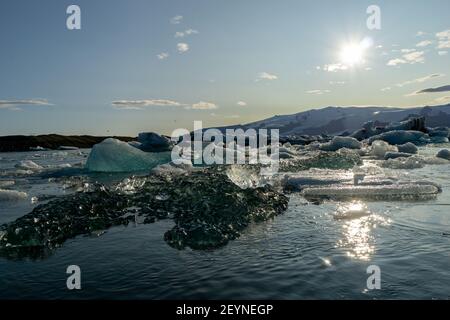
<point x="113" y="155"/>
<point x="408" y="148"/>
<point x="394" y="192"/>
<point x="380" y="148"/>
<point x="12" y="195"/>
<point x="28" y="165"/>
<point x="413" y="162"/>
<point x="444" y="154"/>
<point x="341" y="142"/>
<point x="395" y="155"/>
<point x="153" y="142"/>
<point x="401" y="137"/>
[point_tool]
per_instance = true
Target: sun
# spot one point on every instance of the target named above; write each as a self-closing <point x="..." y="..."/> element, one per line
<point x="353" y="53"/>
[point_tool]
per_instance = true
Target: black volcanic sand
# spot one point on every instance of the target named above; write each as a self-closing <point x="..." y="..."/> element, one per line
<point x="51" y="141"/>
<point x="207" y="207"/>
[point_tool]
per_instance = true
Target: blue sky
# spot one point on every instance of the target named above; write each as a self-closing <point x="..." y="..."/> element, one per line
<point x="128" y="70"/>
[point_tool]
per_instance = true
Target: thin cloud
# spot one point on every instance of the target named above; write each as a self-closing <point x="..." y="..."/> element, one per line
<point x="333" y="67"/>
<point x="241" y="103"/>
<point x="442" y="53"/>
<point x="318" y="92"/>
<point x="420" y="80"/>
<point x="176" y="20"/>
<point x="140" y="104"/>
<point x="445" y="88"/>
<point x="188" y="32"/>
<point x="202" y="105"/>
<point x="443" y="39"/>
<point x="424" y="43"/>
<point x="17" y="104"/>
<point x="411" y="57"/>
<point x="162" y="56"/>
<point x="182" y="47"/>
<point x="266" y="76"/>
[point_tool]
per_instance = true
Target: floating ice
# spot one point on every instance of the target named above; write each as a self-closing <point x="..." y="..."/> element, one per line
<point x="341" y="159"/>
<point x="341" y="142"/>
<point x="395" y="155"/>
<point x="413" y="162"/>
<point x="401" y="137"/>
<point x="28" y="165"/>
<point x="113" y="155"/>
<point x="171" y="167"/>
<point x="7" y="183"/>
<point x="207" y="208"/>
<point x="444" y="154"/>
<point x="373" y="192"/>
<point x="12" y="195"/>
<point x="153" y="142"/>
<point x="379" y="149"/>
<point x="408" y="148"/>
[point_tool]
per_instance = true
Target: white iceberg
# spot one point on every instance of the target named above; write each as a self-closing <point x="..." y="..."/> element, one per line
<point x="380" y="148"/>
<point x="12" y="195"/>
<point x="112" y="155"/>
<point x="410" y="191"/>
<point x="28" y="165"/>
<point x="339" y="143"/>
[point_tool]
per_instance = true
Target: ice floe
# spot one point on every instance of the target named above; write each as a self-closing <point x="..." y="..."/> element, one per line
<point x="113" y="155"/>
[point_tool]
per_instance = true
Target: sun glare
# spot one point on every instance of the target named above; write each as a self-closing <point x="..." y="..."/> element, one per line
<point x="353" y="54"/>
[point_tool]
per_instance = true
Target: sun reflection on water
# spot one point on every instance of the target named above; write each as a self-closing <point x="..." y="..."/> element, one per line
<point x="358" y="239"/>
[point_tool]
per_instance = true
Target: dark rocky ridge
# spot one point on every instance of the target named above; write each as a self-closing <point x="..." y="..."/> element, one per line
<point x="51" y="141"/>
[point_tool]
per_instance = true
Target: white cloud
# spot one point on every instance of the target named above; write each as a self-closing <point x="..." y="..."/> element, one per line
<point x="162" y="56"/>
<point x="318" y="92"/>
<point x="176" y="20"/>
<point x="420" y="80"/>
<point x="444" y="99"/>
<point x="420" y="33"/>
<point x="394" y="62"/>
<point x="386" y="89"/>
<point x="444" y="39"/>
<point x="424" y="43"/>
<point x="405" y="50"/>
<point x="412" y="57"/>
<point x="140" y="104"/>
<point x="188" y="32"/>
<point x="266" y="76"/>
<point x="241" y="103"/>
<point x="202" y="105"/>
<point x="443" y="34"/>
<point x="182" y="47"/>
<point x="444" y="44"/>
<point x="16" y="104"/>
<point x="334" y="67"/>
<point x="337" y="82"/>
<point x="442" y="53"/>
<point x="415" y="57"/>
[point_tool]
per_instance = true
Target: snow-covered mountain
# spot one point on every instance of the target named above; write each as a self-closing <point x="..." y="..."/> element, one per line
<point x="337" y="120"/>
